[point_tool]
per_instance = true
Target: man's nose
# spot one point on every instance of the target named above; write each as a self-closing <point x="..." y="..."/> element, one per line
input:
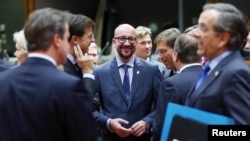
<point x="247" y="46"/>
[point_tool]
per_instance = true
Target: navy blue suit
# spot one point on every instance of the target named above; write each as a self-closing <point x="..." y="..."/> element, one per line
<point x="90" y="84"/>
<point x="174" y="89"/>
<point x="39" y="102"/>
<point x="145" y="86"/>
<point x="226" y="90"/>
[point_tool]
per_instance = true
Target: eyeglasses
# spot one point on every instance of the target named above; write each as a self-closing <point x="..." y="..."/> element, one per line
<point x="161" y="52"/>
<point x="122" y="39"/>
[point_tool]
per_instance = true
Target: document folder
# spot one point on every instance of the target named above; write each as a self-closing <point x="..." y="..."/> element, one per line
<point x="199" y="119"/>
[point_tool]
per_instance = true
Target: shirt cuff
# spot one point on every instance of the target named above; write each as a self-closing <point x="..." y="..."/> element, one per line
<point x="108" y="122"/>
<point x="88" y="75"/>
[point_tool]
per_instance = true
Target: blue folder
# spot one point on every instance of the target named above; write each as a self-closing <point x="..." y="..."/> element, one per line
<point x="195" y="114"/>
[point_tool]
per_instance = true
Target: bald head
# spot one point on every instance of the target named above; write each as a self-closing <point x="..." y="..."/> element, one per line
<point x="124" y="28"/>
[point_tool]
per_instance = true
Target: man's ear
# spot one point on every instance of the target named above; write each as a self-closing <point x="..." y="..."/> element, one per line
<point x="57" y="40"/>
<point x="175" y="56"/>
<point x="224" y="38"/>
<point x="73" y="40"/>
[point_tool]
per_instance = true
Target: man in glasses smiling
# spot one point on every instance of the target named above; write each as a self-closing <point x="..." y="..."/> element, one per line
<point x="128" y="88"/>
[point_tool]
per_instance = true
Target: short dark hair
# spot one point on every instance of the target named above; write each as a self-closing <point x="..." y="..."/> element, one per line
<point x="168" y="36"/>
<point x="186" y="47"/>
<point x="78" y="23"/>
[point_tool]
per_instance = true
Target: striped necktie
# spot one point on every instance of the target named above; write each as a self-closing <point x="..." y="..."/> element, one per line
<point x="126" y="84"/>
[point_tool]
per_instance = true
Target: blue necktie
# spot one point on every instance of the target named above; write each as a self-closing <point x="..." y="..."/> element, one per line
<point x="126" y="84"/>
<point x="203" y="76"/>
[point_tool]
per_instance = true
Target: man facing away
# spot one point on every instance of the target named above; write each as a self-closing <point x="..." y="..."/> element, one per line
<point x="176" y="88"/>
<point x="37" y="101"/>
<point x="128" y="89"/>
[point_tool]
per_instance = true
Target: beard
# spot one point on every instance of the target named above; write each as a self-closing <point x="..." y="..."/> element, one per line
<point x="126" y="52"/>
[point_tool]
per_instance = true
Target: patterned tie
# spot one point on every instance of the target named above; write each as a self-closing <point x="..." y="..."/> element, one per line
<point x="126" y="84"/>
<point x="202" y="77"/>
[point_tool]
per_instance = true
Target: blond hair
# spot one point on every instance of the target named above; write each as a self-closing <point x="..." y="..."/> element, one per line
<point x="142" y="30"/>
<point x="19" y="38"/>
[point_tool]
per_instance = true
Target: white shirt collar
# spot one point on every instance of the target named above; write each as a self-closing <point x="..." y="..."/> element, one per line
<point x="130" y="63"/>
<point x="44" y="56"/>
<point x="188" y="65"/>
<point x="71" y="58"/>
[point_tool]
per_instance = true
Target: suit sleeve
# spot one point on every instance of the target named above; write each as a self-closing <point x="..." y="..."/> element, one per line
<point x="157" y="79"/>
<point x="237" y="97"/>
<point x="93" y="92"/>
<point x="166" y="94"/>
<point x="79" y="119"/>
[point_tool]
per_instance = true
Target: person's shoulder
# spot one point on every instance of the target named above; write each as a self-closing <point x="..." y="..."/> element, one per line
<point x="106" y="66"/>
<point x="6" y="64"/>
<point x="3" y="68"/>
<point x="157" y="62"/>
<point x="233" y="62"/>
<point x="145" y="63"/>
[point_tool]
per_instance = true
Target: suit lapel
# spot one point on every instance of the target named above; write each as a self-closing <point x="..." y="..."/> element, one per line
<point x="137" y="78"/>
<point x="114" y="70"/>
<point x="210" y="79"/>
<point x="201" y="90"/>
<point x="71" y="68"/>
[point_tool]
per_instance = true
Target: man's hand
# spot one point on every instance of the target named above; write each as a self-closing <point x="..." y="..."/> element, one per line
<point x="116" y="126"/>
<point x="139" y="128"/>
<point x="85" y="62"/>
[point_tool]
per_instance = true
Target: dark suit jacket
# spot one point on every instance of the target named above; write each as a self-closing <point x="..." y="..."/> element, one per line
<point x="174" y="89"/>
<point x="90" y="84"/>
<point x="164" y="71"/>
<point x="71" y="69"/>
<point x="226" y="90"/>
<point x="3" y="68"/>
<point x="40" y="103"/>
<point x="4" y="65"/>
<point x="145" y="86"/>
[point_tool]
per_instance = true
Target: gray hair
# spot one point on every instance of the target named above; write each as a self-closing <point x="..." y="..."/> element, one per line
<point x="42" y="25"/>
<point x="230" y="20"/>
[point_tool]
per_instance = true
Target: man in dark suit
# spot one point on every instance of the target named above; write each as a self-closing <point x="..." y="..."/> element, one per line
<point x="126" y="115"/>
<point x="176" y="88"/>
<point x="81" y="36"/>
<point x="164" y="48"/>
<point x="37" y="101"/>
<point x="226" y="88"/>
